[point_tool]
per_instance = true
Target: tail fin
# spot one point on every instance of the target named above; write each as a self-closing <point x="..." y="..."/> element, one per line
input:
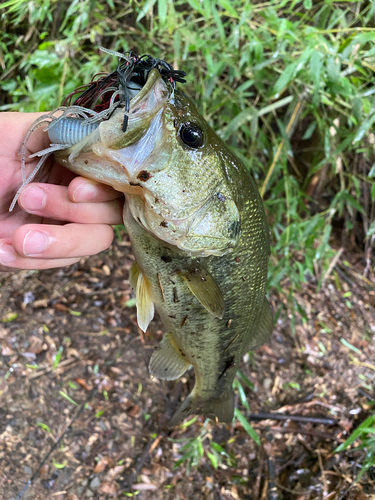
<point x="222" y="407"/>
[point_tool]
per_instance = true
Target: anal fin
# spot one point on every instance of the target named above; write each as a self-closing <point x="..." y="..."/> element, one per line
<point x="203" y="286"/>
<point x="133" y="275"/>
<point x="167" y="362"/>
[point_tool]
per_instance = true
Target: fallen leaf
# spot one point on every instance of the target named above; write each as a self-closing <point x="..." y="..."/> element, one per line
<point x="144" y="487"/>
<point x="6" y="350"/>
<point x="115" y="471"/>
<point x="84" y="384"/>
<point x="61" y="307"/>
<point x="108" y="488"/>
<point x="103" y="462"/>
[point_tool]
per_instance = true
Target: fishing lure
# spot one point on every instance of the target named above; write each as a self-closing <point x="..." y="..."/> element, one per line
<point x="96" y="102"/>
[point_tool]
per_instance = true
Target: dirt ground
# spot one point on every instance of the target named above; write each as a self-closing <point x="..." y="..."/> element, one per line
<point x="73" y="362"/>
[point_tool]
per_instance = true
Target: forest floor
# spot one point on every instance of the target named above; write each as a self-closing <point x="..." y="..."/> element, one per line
<point x="69" y="343"/>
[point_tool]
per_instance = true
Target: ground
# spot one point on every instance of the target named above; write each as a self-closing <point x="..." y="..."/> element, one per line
<point x="73" y="362"/>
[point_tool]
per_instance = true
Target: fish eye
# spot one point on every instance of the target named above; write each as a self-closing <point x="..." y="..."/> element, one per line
<point x="191" y="135"/>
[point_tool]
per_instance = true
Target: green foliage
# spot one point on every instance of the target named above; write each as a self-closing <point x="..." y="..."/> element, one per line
<point x="290" y="89"/>
<point x="366" y="434"/>
<point x="193" y="450"/>
<point x="288" y="85"/>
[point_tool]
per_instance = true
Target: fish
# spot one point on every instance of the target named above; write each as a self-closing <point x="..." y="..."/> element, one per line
<point x="199" y="235"/>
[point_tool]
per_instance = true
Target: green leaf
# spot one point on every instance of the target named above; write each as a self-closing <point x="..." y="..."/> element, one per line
<point x="333" y="68"/>
<point x="309" y="131"/>
<point x="195" y="4"/>
<point x="356" y="434"/>
<point x="284" y="79"/>
<point x="245" y="424"/>
<point x="11" y="316"/>
<point x="59" y="466"/>
<point x="365" y="126"/>
<point x="14" y="3"/>
<point x="149" y="4"/>
<point x="68" y="398"/>
<point x="316" y="64"/>
<point x="245" y="380"/>
<point x="275" y="105"/>
<point x="238" y="121"/>
<point x="350" y="346"/>
<point x="213" y="458"/>
<point x="162" y="10"/>
<point x="74" y="313"/>
<point x="226" y="4"/>
<point x="58" y="357"/>
<point x="44" y="427"/>
<point x="189" y="422"/>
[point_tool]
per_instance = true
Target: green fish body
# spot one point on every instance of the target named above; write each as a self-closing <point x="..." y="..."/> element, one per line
<point x="199" y="235"/>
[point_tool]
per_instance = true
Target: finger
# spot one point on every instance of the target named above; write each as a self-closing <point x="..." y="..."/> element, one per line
<point x="45" y="241"/>
<point x="10" y="260"/>
<point x="52" y="202"/>
<point x="17" y="124"/>
<point x="83" y="190"/>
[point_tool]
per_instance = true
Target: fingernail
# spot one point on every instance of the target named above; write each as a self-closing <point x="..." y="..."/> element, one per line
<point x="33" y="199"/>
<point x="85" y="192"/>
<point x="34" y="243"/>
<point x="7" y="254"/>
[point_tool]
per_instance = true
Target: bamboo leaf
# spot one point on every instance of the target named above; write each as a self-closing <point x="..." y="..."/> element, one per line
<point x="245" y="424"/>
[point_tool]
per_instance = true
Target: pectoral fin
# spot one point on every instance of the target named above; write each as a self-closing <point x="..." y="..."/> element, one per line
<point x="142" y="288"/>
<point x="133" y="275"/>
<point x="167" y="362"/>
<point x="203" y="286"/>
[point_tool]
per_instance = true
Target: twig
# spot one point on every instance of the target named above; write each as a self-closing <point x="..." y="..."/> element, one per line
<point x="48" y="369"/>
<point x="57" y="442"/>
<point x="295" y="418"/>
<point x="332" y="265"/>
<point x="272" y="489"/>
<point x="129" y="480"/>
<point x="325" y="486"/>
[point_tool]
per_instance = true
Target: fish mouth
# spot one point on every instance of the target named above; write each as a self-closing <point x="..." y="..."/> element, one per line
<point x="113" y="156"/>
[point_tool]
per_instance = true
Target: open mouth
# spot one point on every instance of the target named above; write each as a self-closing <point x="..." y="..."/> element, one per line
<point x="122" y="86"/>
<point x="97" y="102"/>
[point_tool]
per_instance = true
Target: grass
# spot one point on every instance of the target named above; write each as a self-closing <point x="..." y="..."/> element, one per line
<point x="365" y="433"/>
<point x="288" y="85"/>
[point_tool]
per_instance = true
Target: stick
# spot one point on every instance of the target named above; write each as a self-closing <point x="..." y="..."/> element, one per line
<point x="295" y="418"/>
<point x="332" y="265"/>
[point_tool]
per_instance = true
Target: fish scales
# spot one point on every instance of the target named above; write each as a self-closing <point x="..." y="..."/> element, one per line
<point x="199" y="235"/>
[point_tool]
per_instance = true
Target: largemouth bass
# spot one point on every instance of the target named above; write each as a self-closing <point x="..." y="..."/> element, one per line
<point x="199" y="235"/>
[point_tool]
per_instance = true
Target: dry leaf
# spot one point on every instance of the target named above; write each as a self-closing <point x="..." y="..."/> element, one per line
<point x="6" y="350"/>
<point x="144" y="487"/>
<point x="84" y="384"/>
<point x="108" y="488"/>
<point x="103" y="462"/>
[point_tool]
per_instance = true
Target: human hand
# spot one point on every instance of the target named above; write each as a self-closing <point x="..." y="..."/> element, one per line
<point x="56" y="221"/>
